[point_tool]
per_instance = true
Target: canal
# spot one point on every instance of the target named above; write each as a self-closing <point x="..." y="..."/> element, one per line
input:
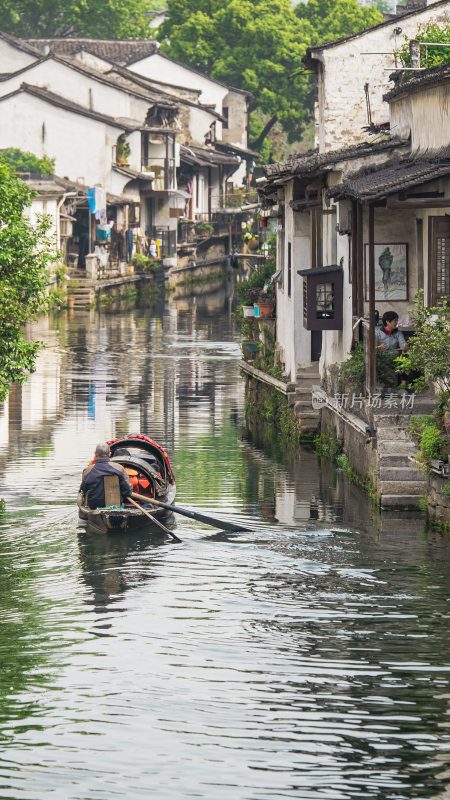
<point x="308" y="658"/>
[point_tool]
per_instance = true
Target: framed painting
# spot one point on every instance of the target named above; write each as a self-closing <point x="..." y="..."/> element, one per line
<point x="391" y="271"/>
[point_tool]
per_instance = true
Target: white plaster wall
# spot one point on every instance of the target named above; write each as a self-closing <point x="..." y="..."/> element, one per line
<point x="163" y="69"/>
<point x="293" y="339"/>
<point x="80" y="146"/>
<point x="92" y="61"/>
<point x="349" y="65"/>
<point x="215" y="189"/>
<point x="42" y="206"/>
<point x="73" y="85"/>
<point x="430" y="118"/>
<point x="11" y="58"/>
<point x="336" y="344"/>
<point x="199" y="124"/>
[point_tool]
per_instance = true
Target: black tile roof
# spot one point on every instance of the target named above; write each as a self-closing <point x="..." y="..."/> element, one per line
<point x="396" y="175"/>
<point x="407" y="82"/>
<point x="312" y="161"/>
<point x="121" y="51"/>
<point x="205" y="156"/>
<point x="19" y="44"/>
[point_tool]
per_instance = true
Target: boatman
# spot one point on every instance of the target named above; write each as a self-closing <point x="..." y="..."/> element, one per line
<point x="92" y="483"/>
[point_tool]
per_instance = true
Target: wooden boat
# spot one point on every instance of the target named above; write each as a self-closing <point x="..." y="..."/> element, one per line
<point x="151" y="475"/>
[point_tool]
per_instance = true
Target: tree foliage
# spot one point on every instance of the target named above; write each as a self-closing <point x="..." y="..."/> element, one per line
<point x="253" y="45"/>
<point x="114" y="19"/>
<point x="333" y="19"/>
<point x="257" y="45"/>
<point x="24" y="260"/>
<point x="429" y="56"/>
<point x="429" y="349"/>
<point x="20" y="161"/>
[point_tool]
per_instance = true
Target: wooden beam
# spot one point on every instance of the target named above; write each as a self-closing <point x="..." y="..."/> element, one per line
<point x="371" y="344"/>
<point x="406" y="204"/>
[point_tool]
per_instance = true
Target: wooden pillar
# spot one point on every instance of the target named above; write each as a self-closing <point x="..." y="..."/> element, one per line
<point x="371" y="342"/>
<point x="360" y="283"/>
<point x="354" y="256"/>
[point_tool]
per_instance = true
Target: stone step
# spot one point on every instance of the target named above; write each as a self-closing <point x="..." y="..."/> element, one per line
<point x="401" y="487"/>
<point x="389" y="460"/>
<point x="306" y="413"/>
<point x="400" y="500"/>
<point x="392" y="420"/>
<point x="393" y="433"/>
<point x="401" y="474"/>
<point x="396" y="448"/>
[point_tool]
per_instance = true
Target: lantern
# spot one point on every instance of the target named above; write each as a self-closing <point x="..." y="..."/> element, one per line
<point x="322" y="298"/>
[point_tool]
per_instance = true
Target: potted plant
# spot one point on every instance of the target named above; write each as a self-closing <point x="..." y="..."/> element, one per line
<point x="204" y="229"/>
<point x="251" y="240"/>
<point x="265" y="303"/>
<point x="123" y="150"/>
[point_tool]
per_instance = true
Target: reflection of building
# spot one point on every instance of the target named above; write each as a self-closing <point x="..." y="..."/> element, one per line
<point x="102" y="376"/>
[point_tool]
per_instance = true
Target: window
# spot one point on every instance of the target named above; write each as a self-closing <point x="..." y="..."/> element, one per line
<point x="225" y="115"/>
<point x="439" y="261"/>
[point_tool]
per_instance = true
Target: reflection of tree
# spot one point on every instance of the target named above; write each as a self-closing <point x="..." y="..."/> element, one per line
<point x="28" y="630"/>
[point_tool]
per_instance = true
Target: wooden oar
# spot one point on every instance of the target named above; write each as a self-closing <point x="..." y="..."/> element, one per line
<point x="216" y="523"/>
<point x="150" y="516"/>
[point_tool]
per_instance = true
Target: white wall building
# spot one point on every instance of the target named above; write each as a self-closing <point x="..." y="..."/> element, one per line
<point x="316" y="228"/>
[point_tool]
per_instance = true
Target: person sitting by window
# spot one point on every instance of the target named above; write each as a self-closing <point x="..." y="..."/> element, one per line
<point x="92" y="483"/>
<point x="390" y="342"/>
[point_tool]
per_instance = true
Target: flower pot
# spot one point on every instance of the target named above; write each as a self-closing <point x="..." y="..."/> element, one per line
<point x="249" y="311"/>
<point x="253" y="244"/>
<point x="264" y="309"/>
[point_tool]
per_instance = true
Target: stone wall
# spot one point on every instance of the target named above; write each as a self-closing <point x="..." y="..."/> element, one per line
<point x="438" y="502"/>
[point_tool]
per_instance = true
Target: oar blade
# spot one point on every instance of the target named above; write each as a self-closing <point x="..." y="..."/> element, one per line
<point x="205" y="518"/>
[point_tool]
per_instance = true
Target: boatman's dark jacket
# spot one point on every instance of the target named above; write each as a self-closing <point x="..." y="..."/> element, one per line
<point x="92" y="483"/>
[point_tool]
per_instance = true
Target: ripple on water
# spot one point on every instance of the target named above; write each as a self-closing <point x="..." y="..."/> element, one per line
<point x="307" y="658"/>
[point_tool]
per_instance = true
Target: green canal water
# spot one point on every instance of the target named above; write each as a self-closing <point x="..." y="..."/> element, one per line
<point x="308" y="658"/>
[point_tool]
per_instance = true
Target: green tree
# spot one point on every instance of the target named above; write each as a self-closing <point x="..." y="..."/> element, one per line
<point x="20" y="161"/>
<point x="257" y="45"/>
<point x="429" y="56"/>
<point x="115" y="19"/>
<point x="253" y="45"/>
<point x="24" y="261"/>
<point x="333" y="19"/>
<point x="429" y="349"/>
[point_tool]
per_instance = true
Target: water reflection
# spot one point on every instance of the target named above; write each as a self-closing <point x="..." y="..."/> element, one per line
<point x="306" y="658"/>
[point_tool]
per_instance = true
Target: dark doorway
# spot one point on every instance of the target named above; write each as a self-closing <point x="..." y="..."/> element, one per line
<point x="316" y="345"/>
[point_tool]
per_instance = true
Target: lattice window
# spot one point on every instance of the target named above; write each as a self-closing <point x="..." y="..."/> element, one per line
<point x="325" y="301"/>
<point x="442" y="266"/>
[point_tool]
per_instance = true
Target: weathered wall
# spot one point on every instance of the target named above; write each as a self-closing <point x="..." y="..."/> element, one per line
<point x="344" y="69"/>
<point x="236" y="133"/>
<point x="424" y="114"/>
<point x="361" y="455"/>
<point x="438" y="502"/>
